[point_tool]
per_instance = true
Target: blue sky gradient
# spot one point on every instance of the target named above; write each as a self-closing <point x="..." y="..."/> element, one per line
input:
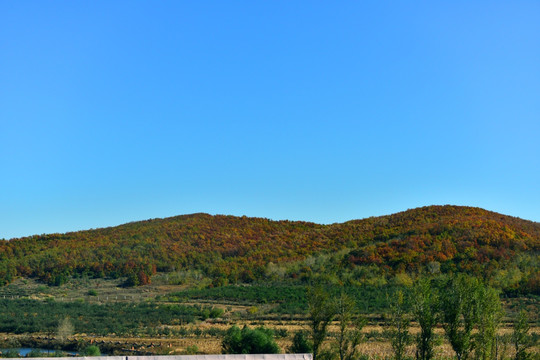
<point x="116" y="111"/>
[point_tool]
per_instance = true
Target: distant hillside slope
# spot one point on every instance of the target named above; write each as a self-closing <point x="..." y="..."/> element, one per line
<point x="452" y="238"/>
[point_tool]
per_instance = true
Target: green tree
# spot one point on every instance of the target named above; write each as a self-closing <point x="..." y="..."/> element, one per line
<point x="399" y="322"/>
<point x="321" y="310"/>
<point x="249" y="341"/>
<point x="459" y="297"/>
<point x="489" y="315"/>
<point x="424" y="309"/>
<point x="521" y="339"/>
<point x="350" y="325"/>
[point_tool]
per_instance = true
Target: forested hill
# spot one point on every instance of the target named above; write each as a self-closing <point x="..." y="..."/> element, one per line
<point x="239" y="249"/>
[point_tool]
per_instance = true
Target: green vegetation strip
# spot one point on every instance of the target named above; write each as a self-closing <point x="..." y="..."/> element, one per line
<point x="290" y="299"/>
<point x="31" y="316"/>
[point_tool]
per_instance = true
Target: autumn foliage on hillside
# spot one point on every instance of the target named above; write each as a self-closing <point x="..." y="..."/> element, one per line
<point x="458" y="239"/>
<point x="239" y="249"/>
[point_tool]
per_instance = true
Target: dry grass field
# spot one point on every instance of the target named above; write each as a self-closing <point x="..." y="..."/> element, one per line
<point x="373" y="346"/>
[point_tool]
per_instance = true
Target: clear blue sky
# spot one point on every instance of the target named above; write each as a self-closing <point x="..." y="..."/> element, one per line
<point x="116" y="111"/>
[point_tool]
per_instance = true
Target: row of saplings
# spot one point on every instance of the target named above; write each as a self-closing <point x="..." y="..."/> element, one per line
<point x="469" y="312"/>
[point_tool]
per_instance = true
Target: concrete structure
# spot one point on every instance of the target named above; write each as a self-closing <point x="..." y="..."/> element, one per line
<point x="191" y="357"/>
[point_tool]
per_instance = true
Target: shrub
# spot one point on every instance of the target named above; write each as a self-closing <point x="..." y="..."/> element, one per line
<point x="91" y="350"/>
<point x="301" y="344"/>
<point x="11" y="353"/>
<point x="192" y="350"/>
<point x="249" y="341"/>
<point x="216" y="313"/>
<point x="35" y="353"/>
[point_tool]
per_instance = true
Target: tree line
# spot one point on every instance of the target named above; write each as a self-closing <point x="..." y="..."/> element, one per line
<point x="469" y="311"/>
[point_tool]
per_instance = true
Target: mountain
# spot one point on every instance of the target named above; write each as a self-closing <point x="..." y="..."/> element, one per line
<point x="501" y="248"/>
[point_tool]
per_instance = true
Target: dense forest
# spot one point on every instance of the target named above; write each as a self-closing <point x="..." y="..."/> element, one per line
<point x="503" y="250"/>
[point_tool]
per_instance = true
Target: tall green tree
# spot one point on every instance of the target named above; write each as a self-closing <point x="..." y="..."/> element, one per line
<point x="521" y="339"/>
<point x="399" y="323"/>
<point x="321" y="311"/>
<point x="424" y="309"/>
<point x="489" y="315"/>
<point x="459" y="297"/>
<point x="350" y="324"/>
